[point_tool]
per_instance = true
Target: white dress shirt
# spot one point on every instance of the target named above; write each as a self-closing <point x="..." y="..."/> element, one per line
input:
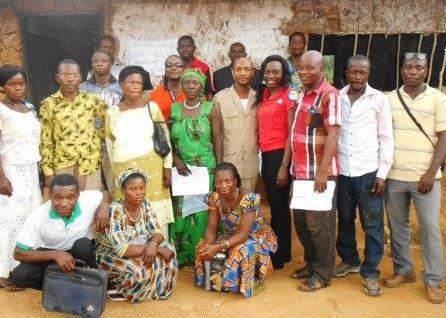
<point x="366" y="141"/>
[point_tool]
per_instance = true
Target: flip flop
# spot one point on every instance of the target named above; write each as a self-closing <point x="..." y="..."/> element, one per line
<point x="7" y="285"/>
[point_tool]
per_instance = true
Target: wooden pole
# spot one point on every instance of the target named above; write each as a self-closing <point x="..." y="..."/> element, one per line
<point x="440" y="80"/>
<point x="368" y="45"/>
<point x="356" y="44"/>
<point x="431" y="58"/>
<point x="398" y="57"/>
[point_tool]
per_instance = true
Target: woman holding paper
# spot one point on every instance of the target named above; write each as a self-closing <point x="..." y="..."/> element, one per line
<point x="246" y="239"/>
<point x="277" y="101"/>
<point x="129" y="138"/>
<point x="196" y="142"/>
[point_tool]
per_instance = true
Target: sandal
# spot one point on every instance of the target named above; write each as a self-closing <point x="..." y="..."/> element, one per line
<point x="301" y="273"/>
<point x="114" y="295"/>
<point x="312" y="284"/>
<point x="9" y="286"/>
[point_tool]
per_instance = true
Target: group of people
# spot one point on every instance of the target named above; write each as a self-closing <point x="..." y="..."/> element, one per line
<point x="101" y="135"/>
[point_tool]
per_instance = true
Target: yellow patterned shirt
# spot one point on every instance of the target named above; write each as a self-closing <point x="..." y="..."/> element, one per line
<point x="72" y="132"/>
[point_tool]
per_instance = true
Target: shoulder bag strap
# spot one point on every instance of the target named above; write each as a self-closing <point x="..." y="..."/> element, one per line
<point x="150" y="111"/>
<point x="412" y="116"/>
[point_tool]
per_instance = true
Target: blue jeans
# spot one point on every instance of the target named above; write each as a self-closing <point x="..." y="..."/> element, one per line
<point x="427" y="206"/>
<point x="356" y="192"/>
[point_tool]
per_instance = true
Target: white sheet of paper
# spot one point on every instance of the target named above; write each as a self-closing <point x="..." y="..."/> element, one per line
<point x="304" y="197"/>
<point x="195" y="183"/>
<point x="193" y="204"/>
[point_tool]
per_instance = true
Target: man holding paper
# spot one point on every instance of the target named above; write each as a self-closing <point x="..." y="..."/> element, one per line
<point x="314" y="140"/>
<point x="365" y="150"/>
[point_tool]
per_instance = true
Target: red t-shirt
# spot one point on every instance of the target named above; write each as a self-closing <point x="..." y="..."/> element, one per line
<point x="272" y="116"/>
<point x="308" y="141"/>
<point x="205" y="68"/>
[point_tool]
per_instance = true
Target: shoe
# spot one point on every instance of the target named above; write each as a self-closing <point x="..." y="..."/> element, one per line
<point x="371" y="286"/>
<point x="343" y="269"/>
<point x="397" y="280"/>
<point x="435" y="294"/>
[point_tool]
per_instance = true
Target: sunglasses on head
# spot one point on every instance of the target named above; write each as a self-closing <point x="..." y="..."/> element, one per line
<point x="411" y="55"/>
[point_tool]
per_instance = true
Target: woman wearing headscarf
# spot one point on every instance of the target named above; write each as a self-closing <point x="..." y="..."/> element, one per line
<point x="19" y="155"/>
<point x="196" y="141"/>
<point x="129" y="131"/>
<point x="140" y="264"/>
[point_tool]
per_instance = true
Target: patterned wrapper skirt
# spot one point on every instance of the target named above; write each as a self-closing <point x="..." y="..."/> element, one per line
<point x="245" y="268"/>
<point x="135" y="281"/>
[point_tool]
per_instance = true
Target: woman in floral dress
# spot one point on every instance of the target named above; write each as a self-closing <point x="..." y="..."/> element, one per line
<point x="140" y="264"/>
<point x="245" y="237"/>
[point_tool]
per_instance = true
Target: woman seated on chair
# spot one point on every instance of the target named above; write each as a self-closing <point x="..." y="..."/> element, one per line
<point x="141" y="266"/>
<point x="245" y="237"/>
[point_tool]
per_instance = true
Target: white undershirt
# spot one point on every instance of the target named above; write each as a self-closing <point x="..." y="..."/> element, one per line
<point x="244" y="102"/>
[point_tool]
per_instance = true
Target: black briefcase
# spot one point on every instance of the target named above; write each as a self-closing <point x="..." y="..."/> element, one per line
<point x="82" y="292"/>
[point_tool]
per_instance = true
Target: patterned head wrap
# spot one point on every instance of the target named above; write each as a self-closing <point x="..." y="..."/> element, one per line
<point x="198" y="74"/>
<point x="8" y="71"/>
<point x="128" y="172"/>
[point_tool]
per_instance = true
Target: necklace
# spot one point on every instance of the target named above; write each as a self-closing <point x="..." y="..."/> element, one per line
<point x="191" y="107"/>
<point x="128" y="215"/>
<point x="229" y="207"/>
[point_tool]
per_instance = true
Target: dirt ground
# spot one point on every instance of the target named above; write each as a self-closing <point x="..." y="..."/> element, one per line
<point x="343" y="299"/>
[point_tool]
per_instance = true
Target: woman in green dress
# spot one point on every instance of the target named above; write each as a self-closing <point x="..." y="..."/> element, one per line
<point x="196" y="140"/>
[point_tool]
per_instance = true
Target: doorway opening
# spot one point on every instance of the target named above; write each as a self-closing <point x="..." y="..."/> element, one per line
<point x="48" y="39"/>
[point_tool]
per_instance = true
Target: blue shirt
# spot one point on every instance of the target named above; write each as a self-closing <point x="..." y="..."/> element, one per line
<point x="110" y="93"/>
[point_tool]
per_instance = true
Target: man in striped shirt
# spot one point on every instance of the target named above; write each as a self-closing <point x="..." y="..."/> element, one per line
<point x="314" y="140"/>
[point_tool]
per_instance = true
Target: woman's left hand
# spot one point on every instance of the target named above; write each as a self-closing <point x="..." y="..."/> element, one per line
<point x="167" y="177"/>
<point x="208" y="252"/>
<point x="149" y="254"/>
<point x="166" y="254"/>
<point x="282" y="176"/>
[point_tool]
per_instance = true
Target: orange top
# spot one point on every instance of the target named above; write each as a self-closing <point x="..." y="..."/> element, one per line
<point x="164" y="98"/>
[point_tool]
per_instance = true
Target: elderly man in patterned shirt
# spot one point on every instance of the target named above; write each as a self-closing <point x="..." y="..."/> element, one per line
<point x="72" y="130"/>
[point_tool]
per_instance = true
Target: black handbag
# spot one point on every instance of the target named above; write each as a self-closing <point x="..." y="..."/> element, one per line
<point x="415" y="121"/>
<point x="160" y="142"/>
<point x="82" y="292"/>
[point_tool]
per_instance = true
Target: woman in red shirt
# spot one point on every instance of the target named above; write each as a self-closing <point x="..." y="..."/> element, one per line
<point x="277" y="103"/>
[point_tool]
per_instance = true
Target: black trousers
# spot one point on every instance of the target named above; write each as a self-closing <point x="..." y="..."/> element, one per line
<point x="317" y="233"/>
<point x="278" y="199"/>
<point x="31" y="274"/>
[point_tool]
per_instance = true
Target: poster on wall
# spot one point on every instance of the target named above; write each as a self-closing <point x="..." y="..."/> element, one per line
<point x="151" y="55"/>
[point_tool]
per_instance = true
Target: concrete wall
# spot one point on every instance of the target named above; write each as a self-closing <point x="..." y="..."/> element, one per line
<point x="263" y="26"/>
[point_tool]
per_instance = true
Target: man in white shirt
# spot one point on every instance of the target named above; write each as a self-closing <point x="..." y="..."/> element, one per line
<point x="365" y="150"/>
<point x="59" y="231"/>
